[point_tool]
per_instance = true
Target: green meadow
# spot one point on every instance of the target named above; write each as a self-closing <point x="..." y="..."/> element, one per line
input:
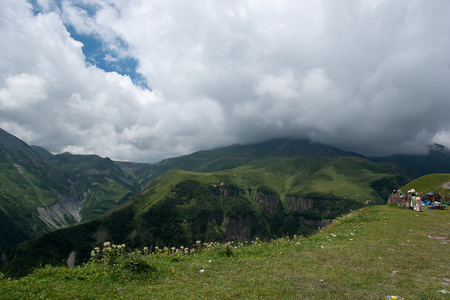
<point x="367" y="254"/>
<point x="438" y="183"/>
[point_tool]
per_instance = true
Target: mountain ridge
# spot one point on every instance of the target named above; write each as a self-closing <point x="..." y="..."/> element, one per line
<point x="277" y="182"/>
<point x="37" y="195"/>
<point x="182" y="207"/>
<point x="436" y="160"/>
<point x="238" y="155"/>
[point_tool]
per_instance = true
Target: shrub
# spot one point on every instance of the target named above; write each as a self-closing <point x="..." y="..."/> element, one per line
<point x="225" y="250"/>
<point x="115" y="260"/>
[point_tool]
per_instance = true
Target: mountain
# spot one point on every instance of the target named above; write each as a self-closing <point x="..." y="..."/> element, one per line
<point x="437" y="160"/>
<point x="238" y="155"/>
<point x="266" y="190"/>
<point x="17" y="153"/>
<point x="266" y="198"/>
<point x="103" y="184"/>
<point x="41" y="192"/>
<point x="27" y="183"/>
<point x="42" y="152"/>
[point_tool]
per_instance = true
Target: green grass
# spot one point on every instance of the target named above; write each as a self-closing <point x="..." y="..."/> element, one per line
<point x="368" y="254"/>
<point x="429" y="183"/>
<point x="343" y="176"/>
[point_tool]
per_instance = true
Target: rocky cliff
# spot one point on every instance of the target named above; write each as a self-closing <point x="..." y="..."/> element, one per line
<point x="294" y="203"/>
<point x="268" y="202"/>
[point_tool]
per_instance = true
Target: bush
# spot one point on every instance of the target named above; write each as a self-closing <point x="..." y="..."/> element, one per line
<point x="115" y="260"/>
<point x="266" y="190"/>
<point x="225" y="250"/>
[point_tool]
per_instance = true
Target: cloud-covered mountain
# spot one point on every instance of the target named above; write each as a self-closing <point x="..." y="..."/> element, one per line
<point x="437" y="160"/>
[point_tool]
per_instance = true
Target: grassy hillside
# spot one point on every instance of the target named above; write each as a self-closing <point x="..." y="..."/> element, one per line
<point x="439" y="183"/>
<point x="41" y="192"/>
<point x="26" y="183"/>
<point x="20" y="194"/>
<point x="368" y="254"/>
<point x="35" y="201"/>
<point x="234" y="156"/>
<point x="266" y="199"/>
<point x="348" y="177"/>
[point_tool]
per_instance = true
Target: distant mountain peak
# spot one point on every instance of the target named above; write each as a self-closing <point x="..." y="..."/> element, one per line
<point x="288" y="147"/>
<point x="438" y="148"/>
<point x="9" y="140"/>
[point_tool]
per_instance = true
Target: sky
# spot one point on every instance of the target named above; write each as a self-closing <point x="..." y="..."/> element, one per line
<point x="144" y="80"/>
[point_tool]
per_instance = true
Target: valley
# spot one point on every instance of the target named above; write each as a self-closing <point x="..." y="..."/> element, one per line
<point x="242" y="192"/>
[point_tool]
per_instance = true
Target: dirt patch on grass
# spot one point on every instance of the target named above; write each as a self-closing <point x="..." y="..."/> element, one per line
<point x="445" y="186"/>
<point x="393" y="273"/>
<point x="408" y="244"/>
<point x="443" y="238"/>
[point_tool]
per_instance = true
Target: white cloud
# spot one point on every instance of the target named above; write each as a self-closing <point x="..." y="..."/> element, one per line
<point x="354" y="74"/>
<point x="22" y="90"/>
<point x="282" y="87"/>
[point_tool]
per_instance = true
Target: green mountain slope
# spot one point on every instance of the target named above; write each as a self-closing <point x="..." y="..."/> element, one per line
<point x="439" y="183"/>
<point x="266" y="199"/>
<point x="41" y="192"/>
<point x="437" y="160"/>
<point x="26" y="183"/>
<point x="104" y="184"/>
<point x="239" y="192"/>
<point x="238" y="155"/>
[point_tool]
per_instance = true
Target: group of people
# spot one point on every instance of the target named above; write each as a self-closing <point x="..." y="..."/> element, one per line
<point x="413" y="200"/>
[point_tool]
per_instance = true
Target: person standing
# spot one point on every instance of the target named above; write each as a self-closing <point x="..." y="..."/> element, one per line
<point x="413" y="199"/>
<point x="418" y="204"/>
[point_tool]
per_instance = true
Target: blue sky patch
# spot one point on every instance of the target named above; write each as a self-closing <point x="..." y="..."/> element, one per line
<point x="94" y="49"/>
<point x="96" y="54"/>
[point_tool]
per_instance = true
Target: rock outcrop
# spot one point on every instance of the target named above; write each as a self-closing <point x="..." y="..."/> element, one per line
<point x="268" y="202"/>
<point x="294" y="203"/>
<point x="237" y="228"/>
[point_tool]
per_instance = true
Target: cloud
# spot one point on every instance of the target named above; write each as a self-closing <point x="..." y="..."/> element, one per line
<point x="367" y="76"/>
